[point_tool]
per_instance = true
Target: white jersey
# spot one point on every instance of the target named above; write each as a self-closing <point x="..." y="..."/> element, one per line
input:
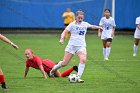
<point x="78" y="32"/>
<point x="137" y="31"/>
<point x="107" y="25"/>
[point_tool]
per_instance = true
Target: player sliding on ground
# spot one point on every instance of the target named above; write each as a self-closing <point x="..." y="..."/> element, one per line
<point x="2" y="79"/>
<point x="107" y="34"/>
<point x="76" y="44"/>
<point x="44" y="66"/>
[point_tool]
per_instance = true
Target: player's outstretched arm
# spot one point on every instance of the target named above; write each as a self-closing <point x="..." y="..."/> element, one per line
<point x="96" y="27"/>
<point x="26" y="72"/>
<point x="42" y="71"/>
<point x="3" y="38"/>
<point x="61" y="41"/>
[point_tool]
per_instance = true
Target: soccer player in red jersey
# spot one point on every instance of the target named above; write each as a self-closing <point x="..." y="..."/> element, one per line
<point x="44" y="66"/>
<point x="2" y="79"/>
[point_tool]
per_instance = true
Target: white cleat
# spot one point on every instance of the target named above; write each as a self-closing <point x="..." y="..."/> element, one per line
<point x="80" y="80"/>
<point x="134" y="55"/>
<point x="52" y="73"/>
<point x="106" y="59"/>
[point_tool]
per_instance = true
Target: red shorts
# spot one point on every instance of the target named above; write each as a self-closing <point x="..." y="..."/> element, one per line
<point x="48" y="65"/>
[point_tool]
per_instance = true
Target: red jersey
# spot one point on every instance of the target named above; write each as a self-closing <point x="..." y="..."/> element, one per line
<point x="37" y="61"/>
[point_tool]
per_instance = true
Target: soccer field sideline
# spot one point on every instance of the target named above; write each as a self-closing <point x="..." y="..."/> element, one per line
<point x="121" y="71"/>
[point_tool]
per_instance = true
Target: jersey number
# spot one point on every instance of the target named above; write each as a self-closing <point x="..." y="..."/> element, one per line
<point x="107" y="28"/>
<point x="81" y="32"/>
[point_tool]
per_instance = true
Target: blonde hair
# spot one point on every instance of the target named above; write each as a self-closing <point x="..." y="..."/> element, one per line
<point x="29" y="50"/>
<point x="79" y="12"/>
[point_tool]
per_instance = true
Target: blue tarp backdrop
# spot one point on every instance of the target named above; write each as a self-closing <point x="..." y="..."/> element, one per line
<point x="48" y="13"/>
<point x="126" y="12"/>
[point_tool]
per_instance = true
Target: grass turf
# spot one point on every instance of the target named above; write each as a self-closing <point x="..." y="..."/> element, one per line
<point x="121" y="74"/>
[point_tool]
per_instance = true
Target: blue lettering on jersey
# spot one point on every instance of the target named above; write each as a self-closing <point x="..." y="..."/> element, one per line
<point x="81" y="32"/>
<point x="107" y="26"/>
<point x="78" y="28"/>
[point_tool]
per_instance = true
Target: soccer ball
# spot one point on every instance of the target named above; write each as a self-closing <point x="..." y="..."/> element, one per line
<point x="72" y="78"/>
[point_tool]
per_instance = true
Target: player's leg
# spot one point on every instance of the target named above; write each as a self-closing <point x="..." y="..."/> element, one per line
<point x="2" y="80"/>
<point x="108" y="49"/>
<point x="57" y="73"/>
<point x="135" y="47"/>
<point x="104" y="48"/>
<point x="82" y="54"/>
<point x="66" y="59"/>
<point x="68" y="71"/>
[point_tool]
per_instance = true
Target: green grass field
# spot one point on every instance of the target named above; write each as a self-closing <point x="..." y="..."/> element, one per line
<point x="121" y="74"/>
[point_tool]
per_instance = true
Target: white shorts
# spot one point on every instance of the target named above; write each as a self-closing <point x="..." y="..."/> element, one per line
<point x="137" y="34"/>
<point x="75" y="49"/>
<point x="105" y="37"/>
<point x="106" y="34"/>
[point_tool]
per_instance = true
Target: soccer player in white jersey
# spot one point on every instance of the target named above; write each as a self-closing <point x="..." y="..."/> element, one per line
<point x="107" y="33"/>
<point x="136" y="36"/>
<point x="76" y="44"/>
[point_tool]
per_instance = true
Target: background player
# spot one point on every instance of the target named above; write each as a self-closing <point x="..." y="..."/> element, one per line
<point x="68" y="18"/>
<point x="108" y="24"/>
<point x="2" y="79"/>
<point x="76" y="44"/>
<point x="43" y="65"/>
<point x="136" y="36"/>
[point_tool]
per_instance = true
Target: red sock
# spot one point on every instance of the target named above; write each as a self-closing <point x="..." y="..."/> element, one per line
<point x="67" y="72"/>
<point x="2" y="79"/>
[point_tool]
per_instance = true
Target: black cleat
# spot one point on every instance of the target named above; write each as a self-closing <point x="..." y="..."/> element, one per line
<point x="75" y="68"/>
<point x="3" y="85"/>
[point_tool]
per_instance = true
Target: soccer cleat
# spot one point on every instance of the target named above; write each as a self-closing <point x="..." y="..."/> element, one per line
<point x="3" y="85"/>
<point x="52" y="73"/>
<point x="75" y="68"/>
<point x="134" y="55"/>
<point x="80" y="80"/>
<point x="106" y="59"/>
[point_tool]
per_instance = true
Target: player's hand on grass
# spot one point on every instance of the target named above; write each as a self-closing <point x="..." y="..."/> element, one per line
<point x="61" y="41"/>
<point x="15" y="46"/>
<point x="24" y="77"/>
<point x="45" y="77"/>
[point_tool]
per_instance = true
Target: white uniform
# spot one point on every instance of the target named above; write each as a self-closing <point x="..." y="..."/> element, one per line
<point x="77" y="40"/>
<point x="107" y="25"/>
<point x="137" y="31"/>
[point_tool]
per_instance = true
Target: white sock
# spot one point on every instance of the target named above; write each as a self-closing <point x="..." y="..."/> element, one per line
<point x="104" y="52"/>
<point x="81" y="68"/>
<point x="108" y="52"/>
<point x="57" y="66"/>
<point x="135" y="49"/>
